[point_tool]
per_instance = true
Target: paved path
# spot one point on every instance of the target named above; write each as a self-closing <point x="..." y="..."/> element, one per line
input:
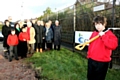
<point x="15" y="70"/>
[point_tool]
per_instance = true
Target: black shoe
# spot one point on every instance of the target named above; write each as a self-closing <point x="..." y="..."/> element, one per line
<point x="5" y="57"/>
<point x="10" y="60"/>
<point x="16" y="59"/>
<point x="12" y="56"/>
<point x="22" y="57"/>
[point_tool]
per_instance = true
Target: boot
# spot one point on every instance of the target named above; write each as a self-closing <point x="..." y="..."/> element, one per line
<point x="37" y="50"/>
<point x="40" y="50"/>
<point x="6" y="54"/>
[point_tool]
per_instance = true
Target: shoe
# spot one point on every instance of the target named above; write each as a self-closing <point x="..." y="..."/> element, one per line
<point x="6" y="57"/>
<point x="16" y="59"/>
<point x="5" y="54"/>
<point x="22" y="57"/>
<point x="10" y="60"/>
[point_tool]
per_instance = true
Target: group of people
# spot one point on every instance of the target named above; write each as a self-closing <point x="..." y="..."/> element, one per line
<point x="21" y="39"/>
<point x="26" y="37"/>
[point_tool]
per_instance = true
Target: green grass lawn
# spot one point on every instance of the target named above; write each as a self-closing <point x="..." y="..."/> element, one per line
<point x="65" y="65"/>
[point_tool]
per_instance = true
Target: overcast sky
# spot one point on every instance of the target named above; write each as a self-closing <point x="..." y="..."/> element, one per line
<point x="31" y="8"/>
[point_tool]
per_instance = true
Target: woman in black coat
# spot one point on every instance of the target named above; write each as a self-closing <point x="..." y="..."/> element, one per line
<point x="5" y="32"/>
<point x="39" y="35"/>
<point x="57" y="35"/>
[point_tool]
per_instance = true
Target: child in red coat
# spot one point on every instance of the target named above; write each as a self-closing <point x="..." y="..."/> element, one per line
<point x="100" y="50"/>
<point x="23" y="37"/>
<point x="12" y="41"/>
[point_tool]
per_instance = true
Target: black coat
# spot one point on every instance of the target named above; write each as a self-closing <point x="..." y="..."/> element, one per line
<point x="57" y="35"/>
<point x="12" y="24"/>
<point x="40" y="33"/>
<point x="5" y="32"/>
<point x="17" y="31"/>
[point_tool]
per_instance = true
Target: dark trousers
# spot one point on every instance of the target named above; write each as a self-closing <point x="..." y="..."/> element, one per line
<point x="23" y="49"/>
<point x="49" y="46"/>
<point x="38" y="45"/>
<point x="13" y="52"/>
<point x="43" y="44"/>
<point x="97" y="70"/>
<point x="57" y="47"/>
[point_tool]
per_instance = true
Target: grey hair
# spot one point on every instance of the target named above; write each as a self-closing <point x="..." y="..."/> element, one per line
<point x="56" y="21"/>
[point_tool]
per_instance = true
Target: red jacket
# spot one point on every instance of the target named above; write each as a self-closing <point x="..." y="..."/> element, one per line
<point x="23" y="36"/>
<point x="12" y="40"/>
<point x="101" y="48"/>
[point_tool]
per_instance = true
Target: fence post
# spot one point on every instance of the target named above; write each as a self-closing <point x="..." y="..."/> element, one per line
<point x="113" y="12"/>
<point x="74" y="26"/>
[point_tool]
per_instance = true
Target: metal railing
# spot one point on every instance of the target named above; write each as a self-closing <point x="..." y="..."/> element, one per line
<point x="79" y="16"/>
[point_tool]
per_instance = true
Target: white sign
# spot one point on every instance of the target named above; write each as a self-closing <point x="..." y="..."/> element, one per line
<point x="99" y="8"/>
<point x="82" y="36"/>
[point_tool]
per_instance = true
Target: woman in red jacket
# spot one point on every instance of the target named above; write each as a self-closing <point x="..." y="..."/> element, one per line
<point x="23" y="38"/>
<point x="100" y="50"/>
<point x="12" y="41"/>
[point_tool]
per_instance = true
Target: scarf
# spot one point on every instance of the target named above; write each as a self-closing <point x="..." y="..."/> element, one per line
<point x="18" y="29"/>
